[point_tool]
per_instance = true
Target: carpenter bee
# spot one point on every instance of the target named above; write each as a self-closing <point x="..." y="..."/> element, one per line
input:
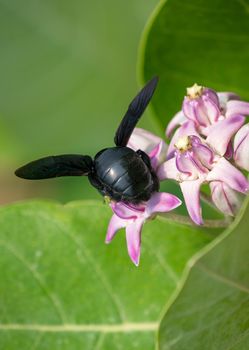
<point x="118" y="173"/>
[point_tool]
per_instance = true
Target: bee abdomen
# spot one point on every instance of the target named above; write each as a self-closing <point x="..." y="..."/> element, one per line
<point x="123" y="175"/>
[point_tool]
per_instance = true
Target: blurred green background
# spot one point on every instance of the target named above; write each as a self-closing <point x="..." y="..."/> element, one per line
<point x="68" y="72"/>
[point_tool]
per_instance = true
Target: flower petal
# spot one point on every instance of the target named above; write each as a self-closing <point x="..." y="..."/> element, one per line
<point x="226" y="172"/>
<point x="186" y="164"/>
<point x="208" y="110"/>
<point x="177" y="120"/>
<point x="133" y="239"/>
<point x="224" y="97"/>
<point x="221" y="133"/>
<point x="188" y="128"/>
<point x="202" y="152"/>
<point x="168" y="170"/>
<point x="191" y="194"/>
<point x="173" y="141"/>
<point x="158" y="154"/>
<point x="189" y="108"/>
<point x="241" y="147"/>
<point x="127" y="211"/>
<point x="144" y="140"/>
<point x="229" y="151"/>
<point x="162" y="202"/>
<point x="115" y="224"/>
<point x="226" y="199"/>
<point x="235" y="107"/>
<point x="212" y="95"/>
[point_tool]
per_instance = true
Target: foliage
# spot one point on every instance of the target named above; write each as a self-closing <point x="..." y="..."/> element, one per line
<point x="61" y="286"/>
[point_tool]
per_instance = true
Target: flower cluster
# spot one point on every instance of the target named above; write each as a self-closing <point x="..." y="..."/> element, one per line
<point x="209" y="144"/>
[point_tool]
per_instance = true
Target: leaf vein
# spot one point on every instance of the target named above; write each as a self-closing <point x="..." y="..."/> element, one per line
<point x="223" y="279"/>
<point x="83" y="328"/>
<point x="165" y="266"/>
<point x="37" y="341"/>
<point x="37" y="277"/>
<point x="95" y="266"/>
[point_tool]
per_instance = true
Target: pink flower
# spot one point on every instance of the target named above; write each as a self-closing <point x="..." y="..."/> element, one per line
<point x="201" y="105"/>
<point x="210" y="111"/>
<point x="132" y="217"/>
<point x="196" y="161"/>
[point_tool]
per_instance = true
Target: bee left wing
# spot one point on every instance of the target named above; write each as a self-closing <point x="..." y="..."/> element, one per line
<point x="134" y="112"/>
<point x="56" y="166"/>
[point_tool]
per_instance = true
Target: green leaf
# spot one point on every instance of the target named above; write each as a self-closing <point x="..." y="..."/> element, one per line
<point x="211" y="311"/>
<point x="200" y="41"/>
<point x="62" y="288"/>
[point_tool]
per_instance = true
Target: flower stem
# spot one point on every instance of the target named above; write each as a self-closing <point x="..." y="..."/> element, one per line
<point x="182" y="219"/>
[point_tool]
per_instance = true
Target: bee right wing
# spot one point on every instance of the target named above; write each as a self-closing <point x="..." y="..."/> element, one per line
<point x="56" y="166"/>
<point x="134" y="112"/>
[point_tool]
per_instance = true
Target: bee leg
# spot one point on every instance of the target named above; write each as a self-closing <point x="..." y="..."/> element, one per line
<point x="144" y="157"/>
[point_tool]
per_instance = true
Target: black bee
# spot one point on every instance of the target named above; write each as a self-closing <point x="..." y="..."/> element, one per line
<point x="118" y="173"/>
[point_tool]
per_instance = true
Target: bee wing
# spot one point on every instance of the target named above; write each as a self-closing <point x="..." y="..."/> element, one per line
<point x="55" y="166"/>
<point x="134" y="112"/>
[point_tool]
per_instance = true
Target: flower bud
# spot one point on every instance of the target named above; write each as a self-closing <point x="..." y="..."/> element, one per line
<point x="201" y="105"/>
